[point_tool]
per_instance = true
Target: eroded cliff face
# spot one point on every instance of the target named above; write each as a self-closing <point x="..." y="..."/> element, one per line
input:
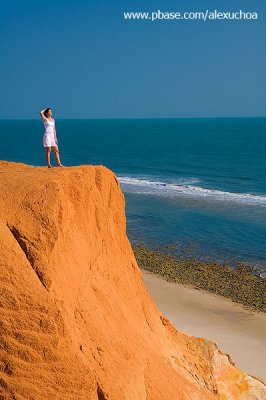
<point x="76" y="319"/>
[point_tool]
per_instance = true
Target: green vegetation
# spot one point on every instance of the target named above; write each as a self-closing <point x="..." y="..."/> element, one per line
<point x="240" y="284"/>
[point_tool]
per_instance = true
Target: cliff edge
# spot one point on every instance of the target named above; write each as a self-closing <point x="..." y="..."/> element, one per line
<point x="76" y="319"/>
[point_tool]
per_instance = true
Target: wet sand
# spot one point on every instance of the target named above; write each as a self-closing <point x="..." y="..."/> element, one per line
<point x="237" y="331"/>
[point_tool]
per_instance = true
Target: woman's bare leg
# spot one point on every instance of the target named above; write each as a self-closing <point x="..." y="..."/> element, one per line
<point x="56" y="153"/>
<point x="48" y="156"/>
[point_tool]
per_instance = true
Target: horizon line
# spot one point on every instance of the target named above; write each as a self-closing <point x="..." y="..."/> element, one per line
<point x="136" y="118"/>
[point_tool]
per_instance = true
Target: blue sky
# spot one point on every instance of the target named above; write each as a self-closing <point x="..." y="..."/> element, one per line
<point x="85" y="60"/>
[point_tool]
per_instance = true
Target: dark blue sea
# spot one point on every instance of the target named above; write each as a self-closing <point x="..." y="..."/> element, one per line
<point x="197" y="184"/>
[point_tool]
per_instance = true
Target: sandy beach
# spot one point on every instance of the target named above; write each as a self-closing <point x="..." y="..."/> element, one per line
<point x="237" y="331"/>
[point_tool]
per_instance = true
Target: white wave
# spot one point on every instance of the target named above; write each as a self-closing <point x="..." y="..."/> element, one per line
<point x="183" y="187"/>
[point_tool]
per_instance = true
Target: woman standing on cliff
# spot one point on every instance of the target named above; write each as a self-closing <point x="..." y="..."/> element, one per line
<point x="49" y="137"/>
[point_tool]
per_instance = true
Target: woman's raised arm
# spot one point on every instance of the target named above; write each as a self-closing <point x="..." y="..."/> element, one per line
<point x="42" y="115"/>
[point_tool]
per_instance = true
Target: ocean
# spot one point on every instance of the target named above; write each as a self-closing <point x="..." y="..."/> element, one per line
<point x="196" y="184"/>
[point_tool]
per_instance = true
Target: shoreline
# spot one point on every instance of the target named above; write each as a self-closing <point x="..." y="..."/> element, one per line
<point x="236" y="330"/>
<point x="241" y="285"/>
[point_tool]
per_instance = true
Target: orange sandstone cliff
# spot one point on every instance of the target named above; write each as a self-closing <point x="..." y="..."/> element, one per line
<point x="76" y="319"/>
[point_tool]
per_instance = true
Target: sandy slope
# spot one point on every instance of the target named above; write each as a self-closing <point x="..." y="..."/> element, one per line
<point x="77" y="322"/>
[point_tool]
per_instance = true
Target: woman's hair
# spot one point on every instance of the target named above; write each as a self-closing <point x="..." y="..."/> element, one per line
<point x="46" y="111"/>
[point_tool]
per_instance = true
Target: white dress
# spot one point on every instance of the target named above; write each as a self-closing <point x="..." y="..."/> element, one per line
<point x="48" y="137"/>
